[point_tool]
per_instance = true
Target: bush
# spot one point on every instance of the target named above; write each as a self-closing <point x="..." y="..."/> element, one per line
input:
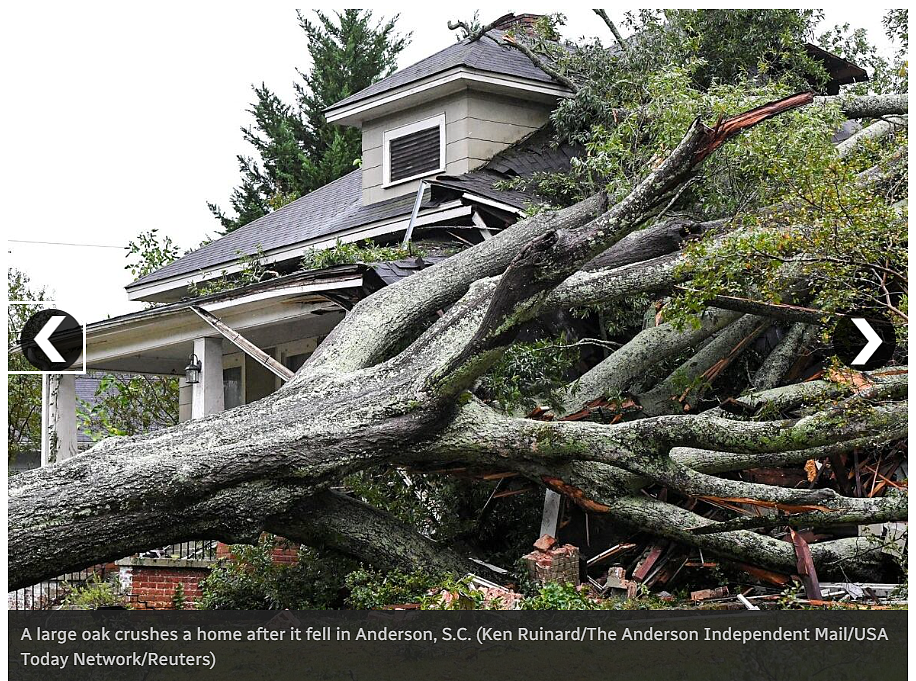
<point x="556" y="596"/>
<point x="250" y="580"/>
<point x="373" y="589"/>
<point x="350" y="254"/>
<point x="95" y="593"/>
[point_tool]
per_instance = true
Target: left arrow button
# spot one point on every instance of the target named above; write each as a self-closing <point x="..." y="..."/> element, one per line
<point x="42" y="340"/>
<point x="51" y="340"/>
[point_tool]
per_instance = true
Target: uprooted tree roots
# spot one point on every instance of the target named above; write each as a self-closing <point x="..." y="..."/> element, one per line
<point x="389" y="387"/>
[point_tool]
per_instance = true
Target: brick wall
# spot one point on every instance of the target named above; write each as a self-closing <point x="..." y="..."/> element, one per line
<point x="151" y="582"/>
<point x="284" y="552"/>
<point x="153" y="586"/>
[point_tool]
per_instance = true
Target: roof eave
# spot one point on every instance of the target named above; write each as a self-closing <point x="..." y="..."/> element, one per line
<point x="174" y="288"/>
<point x="439" y="85"/>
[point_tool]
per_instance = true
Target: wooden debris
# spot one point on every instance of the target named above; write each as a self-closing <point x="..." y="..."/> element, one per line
<point x="707" y="594"/>
<point x="643" y="567"/>
<point x="609" y="553"/>
<point x="764" y="575"/>
<point x="805" y="566"/>
<point x="746" y="603"/>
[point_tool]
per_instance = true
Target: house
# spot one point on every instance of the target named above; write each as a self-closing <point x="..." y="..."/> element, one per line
<point x="437" y="137"/>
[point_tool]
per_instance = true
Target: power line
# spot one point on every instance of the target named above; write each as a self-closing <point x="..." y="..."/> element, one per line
<point x="64" y="243"/>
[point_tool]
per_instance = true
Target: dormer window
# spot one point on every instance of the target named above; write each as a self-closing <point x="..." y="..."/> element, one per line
<point x="414" y="150"/>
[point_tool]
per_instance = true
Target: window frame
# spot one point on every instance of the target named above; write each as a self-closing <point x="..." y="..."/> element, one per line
<point x="409" y="129"/>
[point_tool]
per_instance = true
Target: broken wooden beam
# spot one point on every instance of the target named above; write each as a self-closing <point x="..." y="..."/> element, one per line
<point x="244" y="344"/>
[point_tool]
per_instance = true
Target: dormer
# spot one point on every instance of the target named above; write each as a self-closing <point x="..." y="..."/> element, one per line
<point x="449" y="113"/>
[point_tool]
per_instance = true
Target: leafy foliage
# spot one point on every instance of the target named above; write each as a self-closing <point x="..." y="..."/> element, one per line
<point x="350" y="253"/>
<point x="836" y="244"/>
<point x="252" y="270"/>
<point x="149" y="253"/>
<point x="23" y="391"/>
<point x="179" y="600"/>
<point x="250" y="580"/>
<point x="130" y="404"/>
<point x="453" y="594"/>
<point x="885" y="75"/>
<point x="556" y="596"/>
<point x="95" y="593"/>
<point x="373" y="589"/>
<point x="529" y="373"/>
<point x="297" y="149"/>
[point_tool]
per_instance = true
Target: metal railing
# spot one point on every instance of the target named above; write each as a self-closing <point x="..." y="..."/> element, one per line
<point x="51" y="593"/>
<point x="187" y="550"/>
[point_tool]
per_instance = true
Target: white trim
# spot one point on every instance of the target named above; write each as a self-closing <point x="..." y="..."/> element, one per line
<point x="351" y="114"/>
<point x="402" y="131"/>
<point x="350" y="282"/>
<point x="490" y="202"/>
<point x="443" y="212"/>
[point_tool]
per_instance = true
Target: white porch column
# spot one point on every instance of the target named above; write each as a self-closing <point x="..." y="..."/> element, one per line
<point x="207" y="395"/>
<point x="61" y="438"/>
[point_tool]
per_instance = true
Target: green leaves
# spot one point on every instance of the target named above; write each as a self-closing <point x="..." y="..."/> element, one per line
<point x="834" y="243"/>
<point x="130" y="405"/>
<point x="528" y="373"/>
<point x="148" y="252"/>
<point x="351" y="253"/>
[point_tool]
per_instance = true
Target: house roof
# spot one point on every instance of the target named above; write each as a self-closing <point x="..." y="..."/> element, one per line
<point x="536" y="153"/>
<point x="337" y="207"/>
<point x="487" y="54"/>
<point x="331" y="209"/>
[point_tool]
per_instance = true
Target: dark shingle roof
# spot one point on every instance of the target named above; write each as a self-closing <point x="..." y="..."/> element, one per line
<point x="536" y="153"/>
<point x="333" y="208"/>
<point x="394" y="270"/>
<point x="313" y="215"/>
<point x="486" y="54"/>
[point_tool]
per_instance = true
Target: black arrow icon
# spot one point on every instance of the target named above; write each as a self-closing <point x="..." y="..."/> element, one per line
<point x="51" y="340"/>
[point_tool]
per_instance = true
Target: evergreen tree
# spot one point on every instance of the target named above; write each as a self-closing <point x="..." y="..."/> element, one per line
<point x="297" y="150"/>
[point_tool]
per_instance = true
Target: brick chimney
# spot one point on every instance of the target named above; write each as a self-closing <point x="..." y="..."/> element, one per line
<point x="524" y="23"/>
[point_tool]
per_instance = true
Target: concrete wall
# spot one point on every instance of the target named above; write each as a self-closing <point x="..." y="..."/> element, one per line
<point x="477" y="125"/>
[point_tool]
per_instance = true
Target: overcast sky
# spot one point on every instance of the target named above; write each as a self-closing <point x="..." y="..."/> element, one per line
<point x="117" y="121"/>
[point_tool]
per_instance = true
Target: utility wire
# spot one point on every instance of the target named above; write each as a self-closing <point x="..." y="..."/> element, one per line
<point x="64" y="243"/>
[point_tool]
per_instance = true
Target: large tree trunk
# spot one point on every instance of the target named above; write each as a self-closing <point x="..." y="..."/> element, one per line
<point x="360" y="402"/>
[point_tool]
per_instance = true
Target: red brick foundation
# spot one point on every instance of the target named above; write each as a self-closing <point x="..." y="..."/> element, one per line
<point x="152" y="585"/>
<point x="151" y="582"/>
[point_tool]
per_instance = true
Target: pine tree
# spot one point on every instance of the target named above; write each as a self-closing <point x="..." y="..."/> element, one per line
<point x="297" y="149"/>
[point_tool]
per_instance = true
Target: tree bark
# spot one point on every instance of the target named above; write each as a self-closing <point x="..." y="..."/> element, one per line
<point x="362" y="401"/>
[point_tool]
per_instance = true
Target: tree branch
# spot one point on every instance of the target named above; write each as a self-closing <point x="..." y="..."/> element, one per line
<point x="610" y="24"/>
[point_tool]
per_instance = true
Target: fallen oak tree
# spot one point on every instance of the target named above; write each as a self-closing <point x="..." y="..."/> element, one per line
<point x="360" y="402"/>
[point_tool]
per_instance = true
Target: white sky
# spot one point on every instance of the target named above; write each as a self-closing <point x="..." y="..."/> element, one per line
<point x="120" y="120"/>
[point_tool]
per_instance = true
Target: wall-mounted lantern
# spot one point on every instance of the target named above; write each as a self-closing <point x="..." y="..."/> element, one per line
<point x="192" y="371"/>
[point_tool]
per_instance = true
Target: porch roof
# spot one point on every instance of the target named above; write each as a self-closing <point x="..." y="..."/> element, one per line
<point x="159" y="340"/>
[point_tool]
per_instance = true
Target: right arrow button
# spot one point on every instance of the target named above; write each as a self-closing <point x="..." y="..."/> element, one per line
<point x="864" y="340"/>
<point x="874" y="341"/>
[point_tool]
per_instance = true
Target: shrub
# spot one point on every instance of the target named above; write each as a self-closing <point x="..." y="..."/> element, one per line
<point x="250" y="580"/>
<point x="373" y="589"/>
<point x="95" y="593"/>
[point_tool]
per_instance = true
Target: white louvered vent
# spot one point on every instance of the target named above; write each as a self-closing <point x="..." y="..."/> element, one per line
<point x="415" y="150"/>
<point x="415" y="154"/>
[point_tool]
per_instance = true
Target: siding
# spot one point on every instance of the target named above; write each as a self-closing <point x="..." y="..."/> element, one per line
<point x="477" y="126"/>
